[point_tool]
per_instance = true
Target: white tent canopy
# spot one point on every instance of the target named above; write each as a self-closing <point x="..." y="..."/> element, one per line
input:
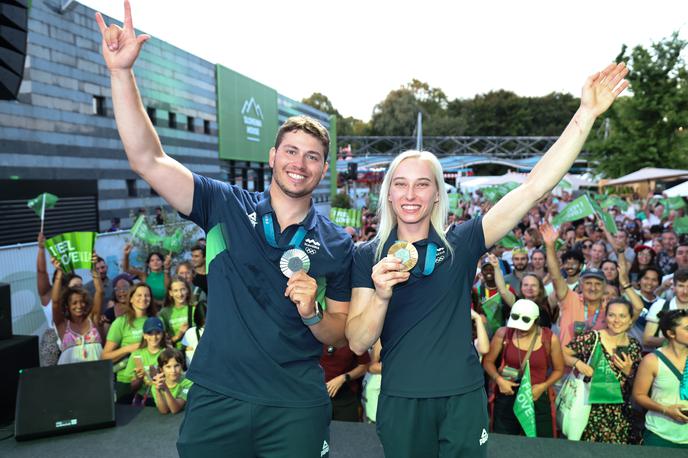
<point x="648" y="174"/>
<point x="470" y="184"/>
<point x="678" y="190"/>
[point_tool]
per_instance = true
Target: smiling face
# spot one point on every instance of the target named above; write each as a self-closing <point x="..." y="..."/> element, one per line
<point x="618" y="318"/>
<point x="413" y="191"/>
<point x="179" y="293"/>
<point x="141" y="298"/>
<point x="649" y="282"/>
<point x="78" y="308"/>
<point x="593" y="289"/>
<point x="122" y="291"/>
<point x="298" y="164"/>
<point x="530" y="287"/>
<point x="153" y="339"/>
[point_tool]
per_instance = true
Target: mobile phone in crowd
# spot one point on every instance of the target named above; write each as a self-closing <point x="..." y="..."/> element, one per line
<point x="153" y="371"/>
<point x="621" y="351"/>
<point x="138" y="362"/>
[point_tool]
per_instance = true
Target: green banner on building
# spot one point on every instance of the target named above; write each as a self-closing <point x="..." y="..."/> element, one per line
<point x="346" y="217"/>
<point x="246" y="117"/>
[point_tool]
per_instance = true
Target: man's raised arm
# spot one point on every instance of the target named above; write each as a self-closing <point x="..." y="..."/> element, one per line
<point x="169" y="178"/>
<point x="599" y="92"/>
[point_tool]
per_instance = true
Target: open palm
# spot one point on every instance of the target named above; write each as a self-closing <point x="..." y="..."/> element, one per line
<point x="121" y="46"/>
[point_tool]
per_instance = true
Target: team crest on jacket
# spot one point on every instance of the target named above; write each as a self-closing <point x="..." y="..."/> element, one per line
<point x="311" y="246"/>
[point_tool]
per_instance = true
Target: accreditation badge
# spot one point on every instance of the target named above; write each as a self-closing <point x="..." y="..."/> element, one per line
<point x="294" y="260"/>
<point x="406" y="252"/>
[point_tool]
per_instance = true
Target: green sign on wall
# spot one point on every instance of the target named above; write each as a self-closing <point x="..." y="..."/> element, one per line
<point x="246" y="117"/>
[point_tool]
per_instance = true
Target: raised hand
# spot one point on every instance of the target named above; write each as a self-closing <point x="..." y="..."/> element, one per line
<point x="121" y="46"/>
<point x="549" y="234"/>
<point x="601" y="89"/>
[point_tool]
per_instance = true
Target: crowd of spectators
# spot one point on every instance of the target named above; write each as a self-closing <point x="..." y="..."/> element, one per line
<point x="559" y="298"/>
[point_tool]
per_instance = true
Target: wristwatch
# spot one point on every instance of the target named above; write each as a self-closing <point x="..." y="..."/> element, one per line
<point x="347" y="377"/>
<point x="315" y="319"/>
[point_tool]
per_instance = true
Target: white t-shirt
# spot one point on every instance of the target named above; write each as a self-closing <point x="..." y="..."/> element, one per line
<point x="190" y="339"/>
<point x="657" y="307"/>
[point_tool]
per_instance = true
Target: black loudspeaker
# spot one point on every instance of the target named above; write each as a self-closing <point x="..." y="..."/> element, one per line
<point x="5" y="312"/>
<point x="14" y="19"/>
<point x="16" y="354"/>
<point x="64" y="399"/>
<point x="352" y="170"/>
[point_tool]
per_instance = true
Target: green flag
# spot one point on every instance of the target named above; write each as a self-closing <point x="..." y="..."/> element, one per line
<point x="563" y="184"/>
<point x="524" y="406"/>
<point x="558" y="244"/>
<point x="614" y="201"/>
<point x="681" y="225"/>
<point x="492" y="308"/>
<point x="41" y="202"/>
<point x="492" y="193"/>
<point x="604" y="386"/>
<point x="373" y="200"/>
<point x="73" y="250"/>
<point x="510" y="241"/>
<point x="174" y="243"/>
<point x="674" y="203"/>
<point x="453" y="201"/>
<point x="583" y="207"/>
<point x="575" y="210"/>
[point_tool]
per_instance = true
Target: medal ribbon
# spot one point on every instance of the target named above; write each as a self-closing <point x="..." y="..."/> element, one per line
<point x="429" y="265"/>
<point x="269" y="231"/>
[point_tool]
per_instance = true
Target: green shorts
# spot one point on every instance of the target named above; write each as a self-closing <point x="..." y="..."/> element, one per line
<point x="216" y="425"/>
<point x="434" y="427"/>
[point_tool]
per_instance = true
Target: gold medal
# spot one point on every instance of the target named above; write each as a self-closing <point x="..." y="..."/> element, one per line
<point x="406" y="252"/>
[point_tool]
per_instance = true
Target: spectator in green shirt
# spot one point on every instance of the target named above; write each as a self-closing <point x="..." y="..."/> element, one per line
<point x="170" y="387"/>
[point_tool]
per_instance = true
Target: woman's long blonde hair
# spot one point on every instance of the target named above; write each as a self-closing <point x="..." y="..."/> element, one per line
<point x="385" y="212"/>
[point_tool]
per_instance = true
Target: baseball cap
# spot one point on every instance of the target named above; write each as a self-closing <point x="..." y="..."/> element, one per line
<point x="593" y="273"/>
<point x="524" y="312"/>
<point x="153" y="324"/>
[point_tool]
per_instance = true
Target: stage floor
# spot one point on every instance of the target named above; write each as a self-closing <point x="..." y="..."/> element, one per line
<point x="142" y="432"/>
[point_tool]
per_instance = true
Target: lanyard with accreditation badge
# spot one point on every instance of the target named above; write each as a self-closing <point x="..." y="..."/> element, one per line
<point x="294" y="259"/>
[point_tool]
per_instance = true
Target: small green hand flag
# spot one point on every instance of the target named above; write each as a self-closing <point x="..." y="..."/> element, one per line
<point x="524" y="406"/>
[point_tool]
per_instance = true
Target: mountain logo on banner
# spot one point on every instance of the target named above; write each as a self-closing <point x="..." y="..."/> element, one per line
<point x="253" y="119"/>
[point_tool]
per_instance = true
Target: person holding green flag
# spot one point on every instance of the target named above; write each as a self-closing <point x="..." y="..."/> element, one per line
<point x="528" y="355"/>
<point x="487" y="299"/>
<point x="661" y="385"/>
<point x="613" y="358"/>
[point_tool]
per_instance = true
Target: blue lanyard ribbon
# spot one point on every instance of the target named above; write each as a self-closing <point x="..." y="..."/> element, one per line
<point x="429" y="266"/>
<point x="595" y="316"/>
<point x="269" y="231"/>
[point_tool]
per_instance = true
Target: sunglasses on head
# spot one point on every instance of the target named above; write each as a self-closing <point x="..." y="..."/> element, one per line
<point x="516" y="317"/>
<point x="587" y="245"/>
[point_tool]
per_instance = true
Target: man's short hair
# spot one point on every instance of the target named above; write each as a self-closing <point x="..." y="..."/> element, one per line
<point x="308" y="125"/>
<point x="198" y="248"/>
<point x="680" y="276"/>
<point x="651" y="269"/>
<point x="99" y="259"/>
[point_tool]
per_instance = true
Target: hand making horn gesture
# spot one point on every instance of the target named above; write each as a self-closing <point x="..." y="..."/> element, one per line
<point x="121" y="46"/>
